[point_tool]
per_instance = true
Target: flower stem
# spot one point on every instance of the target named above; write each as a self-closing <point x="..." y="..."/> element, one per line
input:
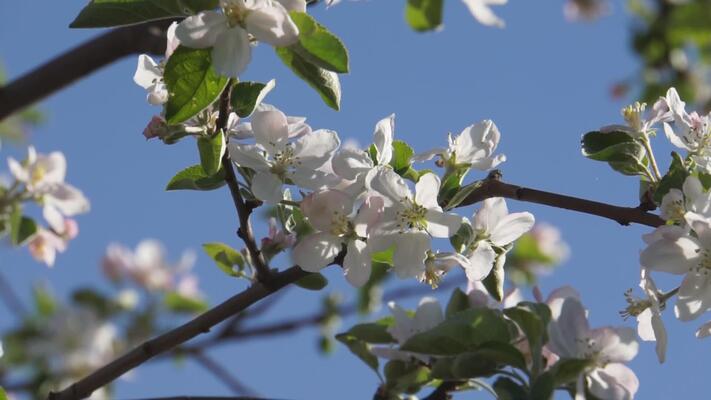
<point x="652" y="160"/>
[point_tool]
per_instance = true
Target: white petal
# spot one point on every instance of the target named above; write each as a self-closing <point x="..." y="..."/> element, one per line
<point x="613" y="382"/>
<point x="511" y="227"/>
<point x="356" y="264"/>
<point x="349" y="163"/>
<point x="249" y="156"/>
<point x="267" y="187"/>
<point x="481" y="12"/>
<point x="272" y="25"/>
<point x="369" y="215"/>
<point x="325" y="208"/>
<point x="429" y="154"/>
<point x="316" y="251"/>
<point x="441" y="224"/>
<point x="270" y="129"/>
<point x="67" y="199"/>
<point x="428" y="315"/>
<point x="54" y="218"/>
<point x="672" y="256"/>
<point x="294" y="5"/>
<point x="410" y="254"/>
<point x="487" y="217"/>
<point x="18" y="171"/>
<point x="704" y="331"/>
<point x="481" y="261"/>
<point x="201" y="31"/>
<point x="674" y="138"/>
<point x="383" y="139"/>
<point x="616" y="344"/>
<point x="568" y="326"/>
<point x="476" y="142"/>
<point x="389" y="184"/>
<point x="426" y="191"/>
<point x="147" y="72"/>
<point x="316" y="148"/>
<point x="694" y="297"/>
<point x="232" y="52"/>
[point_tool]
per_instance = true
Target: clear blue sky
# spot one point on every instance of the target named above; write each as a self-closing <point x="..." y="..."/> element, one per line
<point x="543" y="80"/>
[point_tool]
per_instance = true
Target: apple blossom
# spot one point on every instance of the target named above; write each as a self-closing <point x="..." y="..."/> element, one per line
<point x="474" y="146"/>
<point x="607" y="349"/>
<point x="409" y="220"/>
<point x="277" y="240"/>
<point x="330" y="212"/>
<point x="481" y="11"/>
<point x="228" y="31"/>
<point x="585" y="9"/>
<point x="428" y="315"/>
<point x="296" y="126"/>
<point x="692" y="198"/>
<point x="437" y="264"/>
<point x="494" y="229"/>
<point x="691" y="132"/>
<point x="44" y="246"/>
<point x="149" y="74"/>
<point x="648" y="311"/>
<point x="278" y="160"/>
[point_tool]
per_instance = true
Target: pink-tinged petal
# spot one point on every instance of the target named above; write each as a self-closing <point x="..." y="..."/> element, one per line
<point x="267" y="187"/>
<point x="316" y="251"/>
<point x="613" y="382"/>
<point x="410" y="254"/>
<point x="491" y="212"/>
<point x="426" y="191"/>
<point x="249" y="156"/>
<point x="481" y="261"/>
<point x="272" y="25"/>
<point x="674" y="138"/>
<point x="356" y="264"/>
<point x="369" y="215"/>
<point x="511" y="227"/>
<point x="672" y="256"/>
<point x="694" y="297"/>
<point x="383" y="139"/>
<point x="54" y="218"/>
<point x="270" y="129"/>
<point x="147" y="72"/>
<point x="232" y="52"/>
<point x="327" y="207"/>
<point x="441" y="224"/>
<point x="202" y="30"/>
<point x="615" y="344"/>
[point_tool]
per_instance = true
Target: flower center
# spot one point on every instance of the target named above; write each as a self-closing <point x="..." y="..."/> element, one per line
<point x="235" y="13"/>
<point x="412" y="216"/>
<point x="676" y="211"/>
<point x="38" y="174"/>
<point x="704" y="264"/>
<point x="341" y="225"/>
<point x="284" y="161"/>
<point x="633" y="115"/>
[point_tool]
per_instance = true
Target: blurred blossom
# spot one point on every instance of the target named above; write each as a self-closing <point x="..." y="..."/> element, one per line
<point x="536" y="253"/>
<point x="587" y="10"/>
<point x="45" y="245"/>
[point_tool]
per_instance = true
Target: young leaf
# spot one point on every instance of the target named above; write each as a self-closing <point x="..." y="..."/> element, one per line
<point x="314" y="281"/>
<point x="374" y="332"/>
<point x="195" y="178"/>
<point x="225" y="257"/>
<point x="22" y="228"/>
<point x="106" y="13"/>
<point x="674" y="179"/>
<point x="319" y="46"/>
<point x="176" y="302"/>
<point x="424" y="15"/>
<point x="211" y="151"/>
<point x="402" y="155"/>
<point x="192" y="83"/>
<point x="360" y="349"/>
<point x="246" y="96"/>
<point x="325" y="82"/>
<point x="620" y="150"/>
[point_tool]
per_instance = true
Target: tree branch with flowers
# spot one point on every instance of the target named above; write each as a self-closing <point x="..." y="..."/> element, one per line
<point x="376" y="212"/>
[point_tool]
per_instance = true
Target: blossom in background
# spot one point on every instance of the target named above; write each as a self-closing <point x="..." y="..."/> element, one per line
<point x="481" y="11"/>
<point x="607" y="348"/>
<point x="409" y="220"/>
<point x="228" y="31"/>
<point x="587" y="10"/>
<point x="44" y="246"/>
<point x="337" y="226"/>
<point x="149" y="74"/>
<point x="474" y="146"/>
<point x="278" y="160"/>
<point x="428" y="315"/>
<point x="479" y="297"/>
<point x="493" y="230"/>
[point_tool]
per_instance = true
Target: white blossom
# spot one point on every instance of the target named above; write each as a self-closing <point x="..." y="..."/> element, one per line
<point x="481" y="11"/>
<point x="149" y="74"/>
<point x="650" y="326"/>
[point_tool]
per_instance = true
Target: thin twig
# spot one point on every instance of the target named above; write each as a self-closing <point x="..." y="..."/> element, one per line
<point x="222" y="374"/>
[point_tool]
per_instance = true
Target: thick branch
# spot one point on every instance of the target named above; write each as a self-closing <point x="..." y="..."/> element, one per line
<point x="80" y="62"/>
<point x="493" y="187"/>
<point x="169" y="340"/>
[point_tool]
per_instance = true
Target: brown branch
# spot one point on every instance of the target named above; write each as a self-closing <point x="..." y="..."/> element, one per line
<point x="169" y="340"/>
<point x="493" y="187"/>
<point x="80" y="62"/>
<point x="222" y="374"/>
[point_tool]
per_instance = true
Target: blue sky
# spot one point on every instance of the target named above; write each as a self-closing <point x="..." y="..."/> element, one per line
<point x="543" y="80"/>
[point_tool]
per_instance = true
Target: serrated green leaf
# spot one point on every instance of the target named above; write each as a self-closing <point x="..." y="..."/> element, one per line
<point x="106" y="13"/>
<point x="619" y="149"/>
<point x="319" y="46"/>
<point x="462" y="332"/>
<point x="325" y="82"/>
<point x="424" y="15"/>
<point x="192" y="83"/>
<point x="176" y="302"/>
<point x="211" y="150"/>
<point x="195" y="178"/>
<point x="246" y="96"/>
<point x="402" y="156"/>
<point x="226" y="258"/>
<point x="313" y="281"/>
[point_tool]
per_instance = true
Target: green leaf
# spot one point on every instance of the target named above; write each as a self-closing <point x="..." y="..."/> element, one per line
<point x="313" y="281"/>
<point x="462" y="238"/>
<point x="106" y="13"/>
<point x="45" y="303"/>
<point x="176" y="302"/>
<point x="246" y="96"/>
<point x="452" y="184"/>
<point x="402" y="156"/>
<point x="461" y="195"/>
<point x="532" y="319"/>
<point x="543" y="387"/>
<point x="494" y="282"/>
<point x="192" y="83"/>
<point x="568" y="370"/>
<point x="195" y="178"/>
<point x="374" y="332"/>
<point x="319" y="46"/>
<point x="459" y="301"/>
<point x="472" y="365"/>
<point x="402" y="377"/>
<point x="507" y="389"/>
<point x="226" y="258"/>
<point x="96" y="301"/>
<point x="211" y="151"/>
<point x="619" y="149"/>
<point x="22" y="228"/>
<point x="424" y="15"/>
<point x="360" y="349"/>
<point x="674" y="178"/>
<point x="460" y="333"/>
<point x="3" y="394"/>
<point x="325" y="82"/>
